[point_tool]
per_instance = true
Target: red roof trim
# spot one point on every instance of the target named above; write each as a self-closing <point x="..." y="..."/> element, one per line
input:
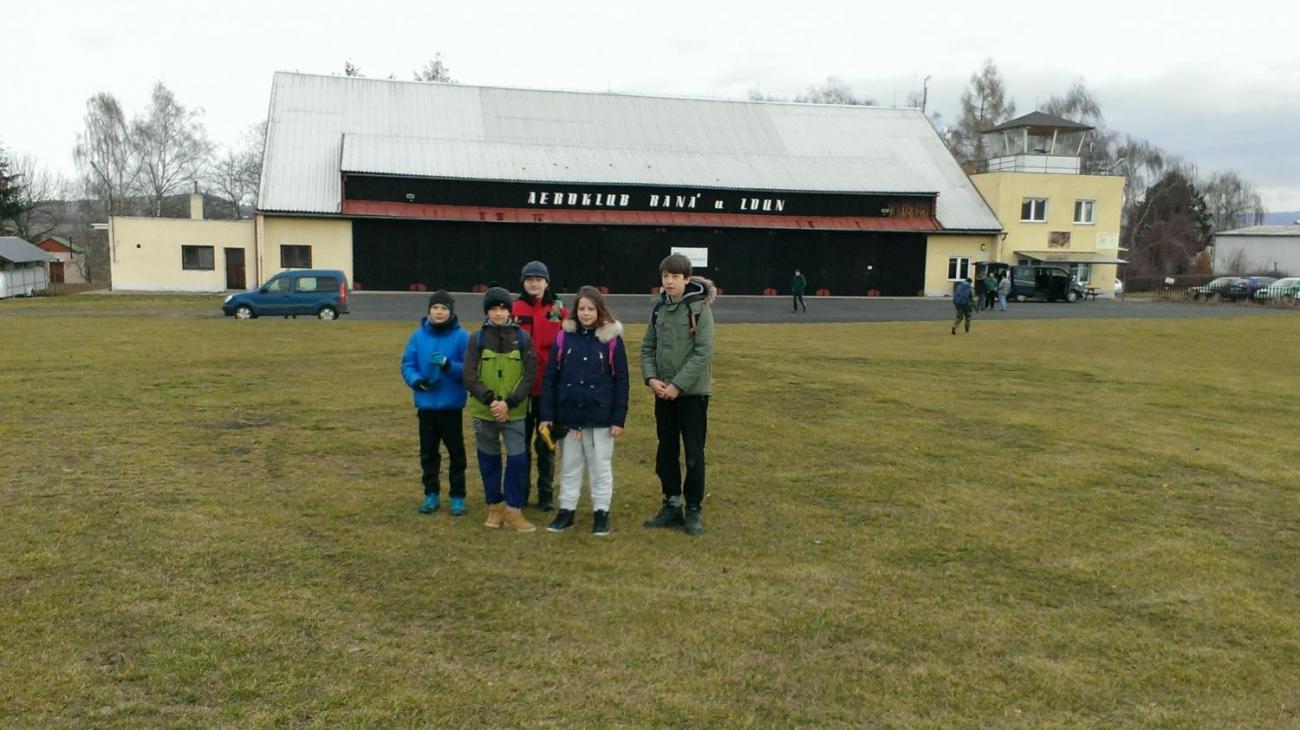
<point x="386" y="209"/>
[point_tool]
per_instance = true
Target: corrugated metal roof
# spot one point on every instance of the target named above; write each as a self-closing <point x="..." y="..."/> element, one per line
<point x="18" y="251"/>
<point x="321" y="126"/>
<point x="1263" y="231"/>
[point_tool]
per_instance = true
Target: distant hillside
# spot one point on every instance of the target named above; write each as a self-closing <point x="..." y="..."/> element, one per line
<point x="1285" y="218"/>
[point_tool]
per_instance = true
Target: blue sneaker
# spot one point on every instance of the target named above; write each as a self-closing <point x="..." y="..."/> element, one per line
<point x="430" y="504"/>
<point x="457" y="506"/>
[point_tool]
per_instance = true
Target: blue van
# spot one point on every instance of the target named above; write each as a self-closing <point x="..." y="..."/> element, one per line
<point x="317" y="292"/>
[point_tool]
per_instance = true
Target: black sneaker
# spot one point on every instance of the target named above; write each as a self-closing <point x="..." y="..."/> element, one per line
<point x="600" y="522"/>
<point x="563" y="521"/>
<point x="694" y="522"/>
<point x="669" y="516"/>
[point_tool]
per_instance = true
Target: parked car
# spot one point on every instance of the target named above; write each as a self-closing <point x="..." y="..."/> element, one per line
<point x="1049" y="283"/>
<point x="316" y="292"/>
<point x="1119" y="286"/>
<point x="1246" y="288"/>
<point x="1288" y="288"/>
<point x="1216" y="288"/>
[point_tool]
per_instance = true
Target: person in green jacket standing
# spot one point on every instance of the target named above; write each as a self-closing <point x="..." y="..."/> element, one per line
<point x="676" y="361"/>
<point x="797" y="287"/>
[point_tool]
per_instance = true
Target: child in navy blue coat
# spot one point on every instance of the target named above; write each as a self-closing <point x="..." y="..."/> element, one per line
<point x="585" y="392"/>
<point x="432" y="366"/>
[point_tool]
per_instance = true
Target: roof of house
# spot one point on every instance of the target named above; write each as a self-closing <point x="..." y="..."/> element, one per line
<point x="66" y="243"/>
<point x="322" y="126"/>
<point x="16" y="250"/>
<point x="1038" y="120"/>
<point x="1293" y="230"/>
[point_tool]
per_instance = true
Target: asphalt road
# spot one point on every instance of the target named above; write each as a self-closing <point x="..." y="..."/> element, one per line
<point x="751" y="309"/>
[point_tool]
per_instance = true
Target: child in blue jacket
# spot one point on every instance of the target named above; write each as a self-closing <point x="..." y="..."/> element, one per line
<point x="432" y="367"/>
<point x="585" y="392"/>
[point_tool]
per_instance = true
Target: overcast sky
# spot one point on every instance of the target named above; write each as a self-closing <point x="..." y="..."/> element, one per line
<point x="1217" y="83"/>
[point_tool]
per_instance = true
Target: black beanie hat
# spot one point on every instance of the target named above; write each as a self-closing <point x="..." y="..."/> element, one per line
<point x="535" y="268"/>
<point x="496" y="295"/>
<point x="443" y="297"/>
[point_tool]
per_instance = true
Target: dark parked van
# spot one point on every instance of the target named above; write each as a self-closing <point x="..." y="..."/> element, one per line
<point x="316" y="292"/>
<point x="1049" y="283"/>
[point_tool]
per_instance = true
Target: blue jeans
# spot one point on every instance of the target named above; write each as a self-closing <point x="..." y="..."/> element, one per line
<point x="1002" y="301"/>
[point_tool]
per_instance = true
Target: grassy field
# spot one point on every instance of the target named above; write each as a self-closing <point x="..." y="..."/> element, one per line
<point x="1042" y="524"/>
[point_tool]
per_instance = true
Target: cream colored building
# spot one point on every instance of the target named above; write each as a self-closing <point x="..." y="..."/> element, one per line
<point x="1052" y="209"/>
<point x="199" y="255"/>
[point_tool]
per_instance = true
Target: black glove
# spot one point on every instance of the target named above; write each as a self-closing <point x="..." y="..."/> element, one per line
<point x="446" y="365"/>
<point x="420" y="384"/>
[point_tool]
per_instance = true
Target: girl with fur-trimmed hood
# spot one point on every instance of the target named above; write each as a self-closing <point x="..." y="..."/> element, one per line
<point x="585" y="391"/>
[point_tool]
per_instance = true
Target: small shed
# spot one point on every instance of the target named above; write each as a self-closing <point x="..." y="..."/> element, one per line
<point x="70" y="268"/>
<point x="22" y="268"/>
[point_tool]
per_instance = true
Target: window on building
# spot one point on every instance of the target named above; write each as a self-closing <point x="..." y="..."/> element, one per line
<point x="295" y="257"/>
<point x="198" y="257"/>
<point x="958" y="268"/>
<point x="1083" y="211"/>
<point x="1058" y="239"/>
<point x="1034" y="210"/>
<point x="1082" y="272"/>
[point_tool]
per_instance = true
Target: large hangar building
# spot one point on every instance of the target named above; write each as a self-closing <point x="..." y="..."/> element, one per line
<point x="408" y="184"/>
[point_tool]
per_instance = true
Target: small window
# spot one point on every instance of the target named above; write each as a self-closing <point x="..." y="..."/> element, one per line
<point x="1034" y="210"/>
<point x="1082" y="272"/>
<point x="317" y="283"/>
<point x="1058" y="239"/>
<point x="958" y="268"/>
<point x="1083" y="212"/>
<point x="295" y="257"/>
<point x="198" y="257"/>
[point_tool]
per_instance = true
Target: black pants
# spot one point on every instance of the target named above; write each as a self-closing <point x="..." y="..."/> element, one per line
<point x="545" y="456"/>
<point x="442" y="426"/>
<point x="685" y="421"/>
<point x="798" y="302"/>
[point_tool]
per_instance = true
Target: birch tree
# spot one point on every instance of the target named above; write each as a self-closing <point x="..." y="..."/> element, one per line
<point x="106" y="157"/>
<point x="173" y="146"/>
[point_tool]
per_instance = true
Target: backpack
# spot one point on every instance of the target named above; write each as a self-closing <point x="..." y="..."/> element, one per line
<point x="962" y="296"/>
<point x="559" y="352"/>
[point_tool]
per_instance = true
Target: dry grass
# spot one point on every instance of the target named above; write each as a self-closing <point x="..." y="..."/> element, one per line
<point x="1074" y="523"/>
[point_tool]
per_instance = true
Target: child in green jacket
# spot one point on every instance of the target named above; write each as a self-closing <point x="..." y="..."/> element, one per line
<point x="676" y="360"/>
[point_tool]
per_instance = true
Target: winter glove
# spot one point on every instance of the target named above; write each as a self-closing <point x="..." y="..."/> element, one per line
<point x="420" y="384"/>
<point x="439" y="360"/>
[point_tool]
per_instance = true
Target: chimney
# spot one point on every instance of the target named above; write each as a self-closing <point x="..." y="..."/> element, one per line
<point x="196" y="206"/>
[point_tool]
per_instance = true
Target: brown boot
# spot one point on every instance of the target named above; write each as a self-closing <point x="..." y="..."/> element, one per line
<point x="515" y="520"/>
<point x="496" y="514"/>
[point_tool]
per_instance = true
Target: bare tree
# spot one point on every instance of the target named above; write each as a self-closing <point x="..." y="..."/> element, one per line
<point x="237" y="172"/>
<point x="435" y="70"/>
<point x="983" y="105"/>
<point x="351" y="69"/>
<point x="42" y="198"/>
<point x="173" y="146"/>
<point x="833" y="91"/>
<point x="108" y="160"/>
<point x="1232" y="201"/>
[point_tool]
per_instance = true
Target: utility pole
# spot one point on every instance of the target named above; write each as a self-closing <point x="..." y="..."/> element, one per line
<point x="925" y="92"/>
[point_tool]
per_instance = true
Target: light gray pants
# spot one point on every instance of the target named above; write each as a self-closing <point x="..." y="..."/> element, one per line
<point x="592" y="448"/>
<point x="488" y="435"/>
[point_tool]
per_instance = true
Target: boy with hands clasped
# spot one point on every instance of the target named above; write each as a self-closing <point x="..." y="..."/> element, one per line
<point x="432" y="366"/>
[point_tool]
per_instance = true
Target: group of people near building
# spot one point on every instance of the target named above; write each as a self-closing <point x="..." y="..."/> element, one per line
<point x="538" y="371"/>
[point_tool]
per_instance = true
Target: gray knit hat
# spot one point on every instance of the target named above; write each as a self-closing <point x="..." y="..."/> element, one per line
<point x="443" y="297"/>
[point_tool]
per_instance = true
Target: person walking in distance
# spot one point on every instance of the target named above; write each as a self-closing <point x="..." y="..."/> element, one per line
<point x="797" y="287"/>
<point x="963" y="300"/>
